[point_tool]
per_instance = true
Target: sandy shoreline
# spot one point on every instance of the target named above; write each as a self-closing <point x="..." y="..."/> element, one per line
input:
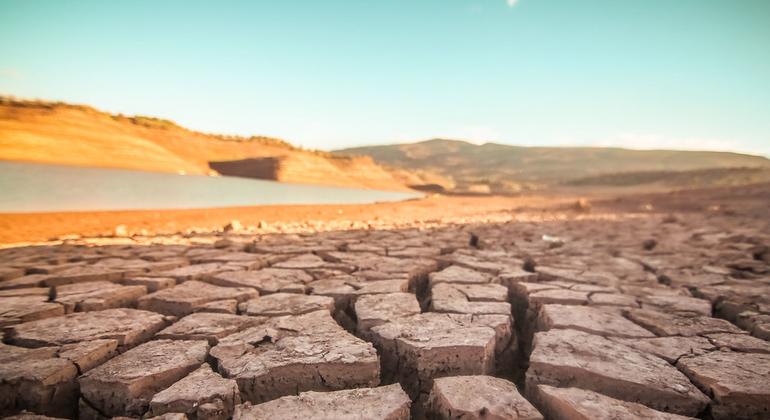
<point x="29" y="228"/>
<point x="38" y="227"/>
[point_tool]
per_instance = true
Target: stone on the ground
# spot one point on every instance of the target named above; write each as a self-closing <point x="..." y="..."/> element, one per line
<point x="203" y="394"/>
<point x="374" y="310"/>
<point x="185" y="298"/>
<point x="381" y="403"/>
<point x="128" y="326"/>
<point x="97" y="296"/>
<point x="575" y="358"/>
<point x="125" y="385"/>
<point x="267" y="280"/>
<point x="207" y="326"/>
<point x="479" y="398"/>
<point x="663" y="324"/>
<point x="738" y="382"/>
<point x="285" y="355"/>
<point x="589" y="319"/>
<point x="282" y="304"/>
<point x="582" y="404"/>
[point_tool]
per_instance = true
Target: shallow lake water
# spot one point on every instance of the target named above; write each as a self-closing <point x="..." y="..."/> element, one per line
<point x="33" y="187"/>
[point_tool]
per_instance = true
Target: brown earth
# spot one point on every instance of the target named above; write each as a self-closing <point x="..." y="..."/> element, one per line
<point x="646" y="306"/>
<point x="35" y="227"/>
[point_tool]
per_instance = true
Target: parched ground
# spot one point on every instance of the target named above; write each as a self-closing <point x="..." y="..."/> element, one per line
<point x="645" y="307"/>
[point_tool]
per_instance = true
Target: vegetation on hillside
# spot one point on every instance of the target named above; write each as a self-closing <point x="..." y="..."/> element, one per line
<point x="508" y="169"/>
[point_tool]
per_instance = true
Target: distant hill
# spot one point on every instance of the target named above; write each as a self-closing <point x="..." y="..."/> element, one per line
<point x="55" y="132"/>
<point x="502" y="168"/>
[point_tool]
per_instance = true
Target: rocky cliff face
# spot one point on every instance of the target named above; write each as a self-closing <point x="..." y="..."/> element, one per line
<point x="359" y="172"/>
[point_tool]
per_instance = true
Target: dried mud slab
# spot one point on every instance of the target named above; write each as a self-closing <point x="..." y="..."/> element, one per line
<point x="479" y="398"/>
<point x="738" y="382"/>
<point x="97" y="296"/>
<point x="309" y="352"/>
<point x="125" y="385"/>
<point x="673" y="304"/>
<point x="192" y="272"/>
<point x="207" y="326"/>
<point x="574" y="358"/>
<point x="590" y="320"/>
<point x="203" y="394"/>
<point x="469" y="299"/>
<point x="128" y="327"/>
<point x="740" y="343"/>
<point x="153" y="284"/>
<point x="283" y="304"/>
<point x="374" y="310"/>
<point x="37" y="380"/>
<point x="267" y="280"/>
<point x="87" y="273"/>
<point x="581" y="404"/>
<point x="26" y="308"/>
<point x="89" y="354"/>
<point x="416" y="349"/>
<point x="30" y="280"/>
<point x="381" y="403"/>
<point x="187" y="297"/>
<point x="671" y="348"/>
<point x="663" y="324"/>
<point x="458" y="275"/>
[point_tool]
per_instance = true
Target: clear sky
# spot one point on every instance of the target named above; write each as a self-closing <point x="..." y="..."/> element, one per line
<point x="337" y="73"/>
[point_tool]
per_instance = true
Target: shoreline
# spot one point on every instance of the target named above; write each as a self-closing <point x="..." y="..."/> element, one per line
<point x="37" y="227"/>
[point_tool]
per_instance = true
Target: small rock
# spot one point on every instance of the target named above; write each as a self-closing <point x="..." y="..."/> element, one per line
<point x="233" y="226"/>
<point x="121" y="231"/>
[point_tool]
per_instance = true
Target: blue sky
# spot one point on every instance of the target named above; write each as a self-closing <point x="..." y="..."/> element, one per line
<point x="328" y="74"/>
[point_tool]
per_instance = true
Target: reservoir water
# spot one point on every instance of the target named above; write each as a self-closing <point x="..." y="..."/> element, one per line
<point x="32" y="187"/>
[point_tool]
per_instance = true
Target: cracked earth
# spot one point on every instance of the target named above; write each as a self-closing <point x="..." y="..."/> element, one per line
<point x="637" y="315"/>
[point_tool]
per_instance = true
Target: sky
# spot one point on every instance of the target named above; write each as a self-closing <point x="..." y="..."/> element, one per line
<point x="684" y="74"/>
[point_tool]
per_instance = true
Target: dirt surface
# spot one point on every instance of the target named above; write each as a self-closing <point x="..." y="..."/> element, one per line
<point x="650" y="306"/>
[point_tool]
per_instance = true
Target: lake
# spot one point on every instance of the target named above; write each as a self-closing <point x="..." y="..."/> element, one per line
<point x="32" y="187"/>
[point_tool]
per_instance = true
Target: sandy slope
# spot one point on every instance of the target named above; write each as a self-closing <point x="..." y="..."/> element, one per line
<point x="82" y="136"/>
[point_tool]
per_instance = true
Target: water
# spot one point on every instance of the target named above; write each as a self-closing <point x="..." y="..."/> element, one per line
<point x="32" y="187"/>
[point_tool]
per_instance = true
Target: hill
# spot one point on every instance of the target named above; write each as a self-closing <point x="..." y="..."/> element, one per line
<point x="55" y="132"/>
<point x="503" y="169"/>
